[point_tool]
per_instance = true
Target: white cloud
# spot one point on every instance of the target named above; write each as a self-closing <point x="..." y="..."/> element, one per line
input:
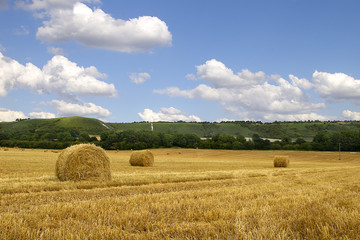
<point x="7" y="115"/>
<point x="70" y="109"/>
<point x="351" y="115"/>
<point x="337" y="86"/>
<point x="59" y="76"/>
<point x="218" y="74"/>
<point x="167" y="115"/>
<point x="56" y="51"/>
<point x="65" y="77"/>
<point x="139" y="78"/>
<point x="98" y="29"/>
<point x="42" y="115"/>
<point x="301" y="83"/>
<point x="268" y="98"/>
<point x="14" y="75"/>
<point x="248" y="93"/>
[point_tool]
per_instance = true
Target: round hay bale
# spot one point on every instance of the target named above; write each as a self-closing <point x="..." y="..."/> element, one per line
<point x="83" y="162"/>
<point x="281" y="161"/>
<point x="143" y="158"/>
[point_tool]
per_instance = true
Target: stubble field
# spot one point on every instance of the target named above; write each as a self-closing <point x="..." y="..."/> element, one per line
<point x="187" y="194"/>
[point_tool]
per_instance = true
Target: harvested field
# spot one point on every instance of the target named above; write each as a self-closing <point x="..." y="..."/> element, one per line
<point x="197" y="194"/>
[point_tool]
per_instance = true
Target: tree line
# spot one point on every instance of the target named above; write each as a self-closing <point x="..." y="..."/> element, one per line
<point x="132" y="139"/>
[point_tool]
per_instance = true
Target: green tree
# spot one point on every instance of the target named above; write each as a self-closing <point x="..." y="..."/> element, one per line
<point x="300" y="141"/>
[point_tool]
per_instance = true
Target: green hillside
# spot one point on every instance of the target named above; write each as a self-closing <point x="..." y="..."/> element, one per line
<point x="80" y="125"/>
<point x="89" y="125"/>
<point x="203" y="129"/>
<point x="278" y="130"/>
<point x="40" y="126"/>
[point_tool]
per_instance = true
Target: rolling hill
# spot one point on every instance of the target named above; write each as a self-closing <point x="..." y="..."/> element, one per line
<point x="91" y="126"/>
<point x="80" y="124"/>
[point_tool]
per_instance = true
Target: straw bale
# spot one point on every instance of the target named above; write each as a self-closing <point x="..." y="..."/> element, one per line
<point x="143" y="158"/>
<point x="83" y="162"/>
<point x="281" y="161"/>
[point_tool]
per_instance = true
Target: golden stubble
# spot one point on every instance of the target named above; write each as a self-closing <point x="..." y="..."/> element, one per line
<point x="187" y="194"/>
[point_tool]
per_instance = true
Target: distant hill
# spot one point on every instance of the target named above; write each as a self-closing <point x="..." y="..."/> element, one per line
<point x="80" y="124"/>
<point x="91" y="126"/>
<point x="202" y="129"/>
<point x="306" y="130"/>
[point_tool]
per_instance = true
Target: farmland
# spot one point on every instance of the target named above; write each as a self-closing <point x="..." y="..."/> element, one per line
<point x="187" y="194"/>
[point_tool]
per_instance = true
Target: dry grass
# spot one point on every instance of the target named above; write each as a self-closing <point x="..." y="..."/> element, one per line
<point x="198" y="194"/>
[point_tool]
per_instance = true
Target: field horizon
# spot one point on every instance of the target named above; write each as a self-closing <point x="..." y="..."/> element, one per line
<point x="187" y="194"/>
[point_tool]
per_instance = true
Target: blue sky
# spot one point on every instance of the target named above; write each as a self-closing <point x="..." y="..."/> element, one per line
<point x="161" y="60"/>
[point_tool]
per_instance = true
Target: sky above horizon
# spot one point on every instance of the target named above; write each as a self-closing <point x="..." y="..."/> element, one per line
<point x="161" y="60"/>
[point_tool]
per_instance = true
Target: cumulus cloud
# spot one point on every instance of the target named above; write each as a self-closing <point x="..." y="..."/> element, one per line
<point x="14" y="75"/>
<point x="65" y="109"/>
<point x="66" y="77"/>
<point x="7" y="115"/>
<point x="347" y="114"/>
<point x="56" y="51"/>
<point x="219" y="75"/>
<point x="59" y="76"/>
<point x="284" y="98"/>
<point x="250" y="93"/>
<point x="167" y="115"/>
<point x="42" y="115"/>
<point x="300" y="82"/>
<point x="337" y="86"/>
<point x="98" y="29"/>
<point x="139" y="78"/>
